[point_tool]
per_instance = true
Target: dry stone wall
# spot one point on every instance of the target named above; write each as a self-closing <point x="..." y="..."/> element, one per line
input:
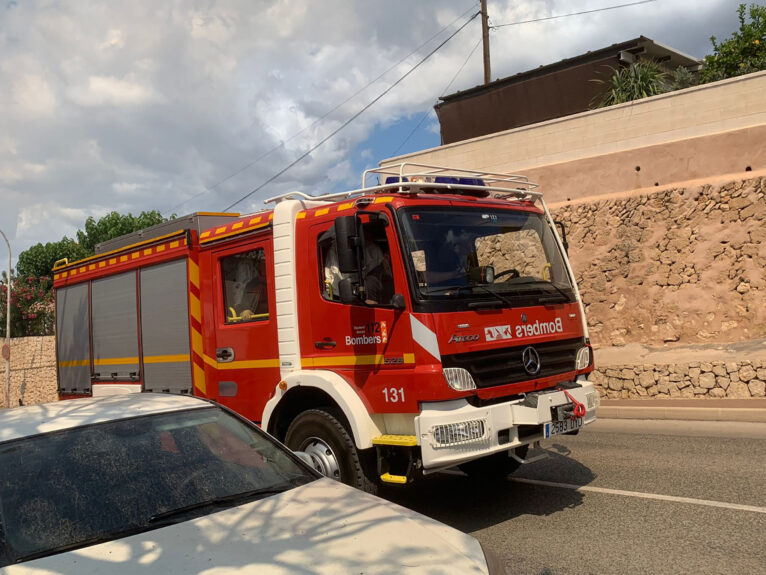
<point x="33" y="371"/>
<point x="714" y="379"/>
<point x="680" y="265"/>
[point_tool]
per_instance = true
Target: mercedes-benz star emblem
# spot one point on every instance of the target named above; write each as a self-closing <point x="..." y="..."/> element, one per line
<point x="530" y="360"/>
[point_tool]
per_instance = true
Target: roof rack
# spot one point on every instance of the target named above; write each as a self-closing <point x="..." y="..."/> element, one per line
<point x="409" y="178"/>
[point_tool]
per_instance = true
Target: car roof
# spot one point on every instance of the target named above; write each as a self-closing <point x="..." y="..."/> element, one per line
<point x="30" y="420"/>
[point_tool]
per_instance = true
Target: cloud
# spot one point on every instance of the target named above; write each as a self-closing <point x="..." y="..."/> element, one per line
<point x="144" y="105"/>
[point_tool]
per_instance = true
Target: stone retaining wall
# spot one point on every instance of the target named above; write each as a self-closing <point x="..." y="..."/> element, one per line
<point x="682" y="265"/>
<point x="33" y="371"/>
<point x="701" y="380"/>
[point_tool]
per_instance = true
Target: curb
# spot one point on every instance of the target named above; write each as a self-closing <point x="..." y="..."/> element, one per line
<point x="740" y="414"/>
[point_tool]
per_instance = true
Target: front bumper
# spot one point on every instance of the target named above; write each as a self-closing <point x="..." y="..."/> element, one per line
<point x="482" y="431"/>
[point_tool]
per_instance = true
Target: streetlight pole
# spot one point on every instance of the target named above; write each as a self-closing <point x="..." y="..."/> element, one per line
<point x="7" y="351"/>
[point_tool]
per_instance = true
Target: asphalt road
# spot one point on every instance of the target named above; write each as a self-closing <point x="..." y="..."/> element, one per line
<point x="658" y="497"/>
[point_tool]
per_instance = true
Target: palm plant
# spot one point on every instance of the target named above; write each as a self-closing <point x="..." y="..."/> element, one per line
<point x="639" y="80"/>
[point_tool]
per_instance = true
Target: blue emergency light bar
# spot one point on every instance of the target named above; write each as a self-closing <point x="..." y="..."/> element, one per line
<point x="457" y="181"/>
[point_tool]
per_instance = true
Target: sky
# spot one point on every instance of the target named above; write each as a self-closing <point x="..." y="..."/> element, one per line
<point x="189" y="105"/>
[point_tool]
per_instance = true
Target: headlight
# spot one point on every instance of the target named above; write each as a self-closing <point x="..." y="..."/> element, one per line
<point x="459" y="379"/>
<point x="583" y="358"/>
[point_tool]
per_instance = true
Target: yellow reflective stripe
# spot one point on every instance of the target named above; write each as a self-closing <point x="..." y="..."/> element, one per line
<point x="193" y="273"/>
<point x="352" y="360"/>
<point x="181" y="357"/>
<point x="383" y="200"/>
<point x="346" y="206"/>
<point x="195" y="308"/>
<point x="75" y="363"/>
<point x="116" y="361"/>
<point x="244" y="364"/>
<point x="199" y="378"/>
<point x="322" y="212"/>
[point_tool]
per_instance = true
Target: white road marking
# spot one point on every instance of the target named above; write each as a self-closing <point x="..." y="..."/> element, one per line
<point x="642" y="495"/>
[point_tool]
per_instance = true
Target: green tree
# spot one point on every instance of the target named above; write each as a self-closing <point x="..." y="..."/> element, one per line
<point x="32" y="308"/>
<point x="639" y="80"/>
<point x="113" y="225"/>
<point x="38" y="260"/>
<point x="744" y="52"/>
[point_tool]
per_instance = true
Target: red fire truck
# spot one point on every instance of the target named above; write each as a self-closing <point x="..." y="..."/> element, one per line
<point x="425" y="322"/>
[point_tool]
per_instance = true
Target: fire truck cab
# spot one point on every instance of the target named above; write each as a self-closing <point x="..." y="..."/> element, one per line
<point x="426" y="321"/>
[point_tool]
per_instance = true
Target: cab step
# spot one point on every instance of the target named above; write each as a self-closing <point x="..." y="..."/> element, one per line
<point x="396" y="440"/>
<point x="396" y="479"/>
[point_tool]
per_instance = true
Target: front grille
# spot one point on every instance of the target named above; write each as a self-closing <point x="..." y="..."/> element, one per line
<point x="502" y="366"/>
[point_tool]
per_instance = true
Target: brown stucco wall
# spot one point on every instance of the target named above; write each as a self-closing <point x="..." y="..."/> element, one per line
<point x="700" y="132"/>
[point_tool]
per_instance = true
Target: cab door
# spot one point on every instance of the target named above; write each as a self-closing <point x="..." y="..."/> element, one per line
<point x="369" y="343"/>
<point x="246" y="368"/>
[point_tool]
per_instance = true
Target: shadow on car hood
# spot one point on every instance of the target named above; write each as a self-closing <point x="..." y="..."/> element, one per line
<point x="322" y="527"/>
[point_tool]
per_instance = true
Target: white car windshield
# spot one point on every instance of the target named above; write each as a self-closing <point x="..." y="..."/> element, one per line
<point x="81" y="486"/>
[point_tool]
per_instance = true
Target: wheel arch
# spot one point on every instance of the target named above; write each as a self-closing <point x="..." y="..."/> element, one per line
<point x="316" y="389"/>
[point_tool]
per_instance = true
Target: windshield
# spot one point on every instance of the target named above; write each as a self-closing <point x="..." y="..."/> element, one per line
<point x="507" y="256"/>
<point x="86" y="485"/>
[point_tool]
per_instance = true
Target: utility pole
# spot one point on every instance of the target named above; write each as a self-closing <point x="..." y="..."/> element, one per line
<point x="7" y="347"/>
<point x="485" y="41"/>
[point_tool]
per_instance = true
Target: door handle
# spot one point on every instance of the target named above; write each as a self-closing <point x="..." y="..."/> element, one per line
<point x="224" y="354"/>
<point x="324" y="344"/>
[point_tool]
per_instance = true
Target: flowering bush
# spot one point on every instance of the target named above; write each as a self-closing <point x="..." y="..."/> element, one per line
<point x="32" y="307"/>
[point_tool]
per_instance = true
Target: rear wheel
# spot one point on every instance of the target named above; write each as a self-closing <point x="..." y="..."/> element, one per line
<point x="323" y="437"/>
<point x="494" y="467"/>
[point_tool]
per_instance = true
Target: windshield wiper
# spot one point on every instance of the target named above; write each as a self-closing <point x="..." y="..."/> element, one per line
<point x="225" y="501"/>
<point x="562" y="293"/>
<point x="505" y="300"/>
<point x="77" y="544"/>
<point x="458" y="289"/>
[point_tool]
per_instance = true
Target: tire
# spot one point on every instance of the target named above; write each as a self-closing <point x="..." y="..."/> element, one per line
<point x="495" y="467"/>
<point x="321" y="434"/>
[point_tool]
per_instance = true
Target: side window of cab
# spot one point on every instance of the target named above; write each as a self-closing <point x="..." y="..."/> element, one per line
<point x="377" y="276"/>
<point x="245" y="288"/>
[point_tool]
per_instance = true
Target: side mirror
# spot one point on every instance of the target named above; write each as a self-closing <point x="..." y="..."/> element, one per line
<point x="563" y="234"/>
<point x="397" y="302"/>
<point x="346" y="291"/>
<point x="347" y="243"/>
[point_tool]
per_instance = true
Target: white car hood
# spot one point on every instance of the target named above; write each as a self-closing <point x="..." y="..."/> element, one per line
<point x="322" y="527"/>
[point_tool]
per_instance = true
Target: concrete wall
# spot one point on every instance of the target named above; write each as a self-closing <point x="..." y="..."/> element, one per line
<point x="703" y="131"/>
<point x="33" y="371"/>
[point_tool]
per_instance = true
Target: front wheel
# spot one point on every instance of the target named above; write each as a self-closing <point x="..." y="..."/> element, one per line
<point x="494" y="467"/>
<point x="322" y="436"/>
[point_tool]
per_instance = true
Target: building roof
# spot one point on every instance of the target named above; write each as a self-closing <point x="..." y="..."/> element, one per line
<point x="642" y="47"/>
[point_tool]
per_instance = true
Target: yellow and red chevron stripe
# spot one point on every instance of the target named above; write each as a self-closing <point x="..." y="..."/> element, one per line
<point x="195" y="324"/>
<point x="241" y="226"/>
<point x="98" y="263"/>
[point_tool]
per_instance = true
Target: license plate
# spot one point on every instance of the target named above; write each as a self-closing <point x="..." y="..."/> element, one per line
<point x="565" y="426"/>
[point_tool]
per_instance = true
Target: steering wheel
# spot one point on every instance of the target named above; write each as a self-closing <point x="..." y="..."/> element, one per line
<point x="512" y="272"/>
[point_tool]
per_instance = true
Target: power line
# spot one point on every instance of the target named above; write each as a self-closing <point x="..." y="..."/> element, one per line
<point x="427" y="112"/>
<point x="573" y="14"/>
<point x="323" y="117"/>
<point x="354" y="117"/>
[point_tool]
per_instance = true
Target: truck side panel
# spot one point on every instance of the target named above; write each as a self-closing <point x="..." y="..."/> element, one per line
<point x="115" y="328"/>
<point x="165" y="328"/>
<point x="73" y="339"/>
